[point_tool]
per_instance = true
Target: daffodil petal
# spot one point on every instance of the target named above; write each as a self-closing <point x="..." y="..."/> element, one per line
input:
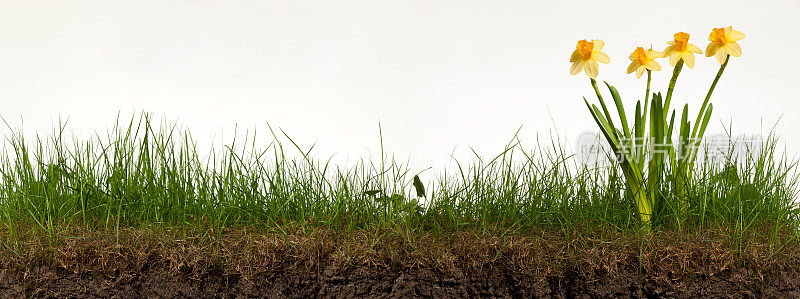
<point x="633" y="66"/>
<point x="598" y="45"/>
<point x="575" y="56"/>
<point x="654" y="54"/>
<point x="576" y="67"/>
<point x="668" y="51"/>
<point x="639" y="71"/>
<point x="735" y="36"/>
<point x="591" y="68"/>
<point x="688" y="58"/>
<point x="671" y="43"/>
<point x="673" y="58"/>
<point x="601" y="57"/>
<point x="733" y="49"/>
<point x="721" y="55"/>
<point x="694" y="48"/>
<point x="711" y="49"/>
<point x="653" y="65"/>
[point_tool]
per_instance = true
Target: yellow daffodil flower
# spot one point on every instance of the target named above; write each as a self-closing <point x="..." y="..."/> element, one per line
<point x="641" y="60"/>
<point x="680" y="48"/>
<point x="723" y="43"/>
<point x="586" y="56"/>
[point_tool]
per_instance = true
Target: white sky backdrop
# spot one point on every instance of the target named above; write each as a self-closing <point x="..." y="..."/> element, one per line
<point x="439" y="75"/>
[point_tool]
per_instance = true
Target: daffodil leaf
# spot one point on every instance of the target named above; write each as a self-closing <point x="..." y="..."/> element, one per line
<point x="684" y="133"/>
<point x="706" y="118"/>
<point x="606" y="128"/>
<point x="620" y="110"/>
<point x="670" y="128"/>
<point x="637" y="121"/>
<point x="656" y="121"/>
<point x="684" y="121"/>
<point x="601" y="123"/>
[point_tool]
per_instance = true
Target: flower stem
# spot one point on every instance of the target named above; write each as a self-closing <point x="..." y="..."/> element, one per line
<point x="647" y="91"/>
<point x="646" y="101"/>
<point x="708" y="96"/>
<point x="675" y="72"/>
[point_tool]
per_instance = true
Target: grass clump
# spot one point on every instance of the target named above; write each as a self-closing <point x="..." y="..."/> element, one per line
<point x="143" y="176"/>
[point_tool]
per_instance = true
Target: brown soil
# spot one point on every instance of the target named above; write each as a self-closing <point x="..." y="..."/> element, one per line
<point x="368" y="282"/>
<point x="321" y="263"/>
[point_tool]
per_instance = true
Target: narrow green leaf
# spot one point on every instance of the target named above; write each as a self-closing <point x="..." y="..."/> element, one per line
<point x="620" y="110"/>
<point x="706" y="118"/>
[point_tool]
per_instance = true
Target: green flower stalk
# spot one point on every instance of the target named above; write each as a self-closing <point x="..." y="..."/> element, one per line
<point x="675" y="73"/>
<point x="724" y="43"/>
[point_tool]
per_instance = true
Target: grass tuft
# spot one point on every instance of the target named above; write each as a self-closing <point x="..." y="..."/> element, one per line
<point x="142" y="176"/>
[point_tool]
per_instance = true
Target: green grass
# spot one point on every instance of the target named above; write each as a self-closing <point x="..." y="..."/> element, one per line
<point x="140" y="175"/>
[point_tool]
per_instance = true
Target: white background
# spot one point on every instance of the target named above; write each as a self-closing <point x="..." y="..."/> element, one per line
<point x="439" y="75"/>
